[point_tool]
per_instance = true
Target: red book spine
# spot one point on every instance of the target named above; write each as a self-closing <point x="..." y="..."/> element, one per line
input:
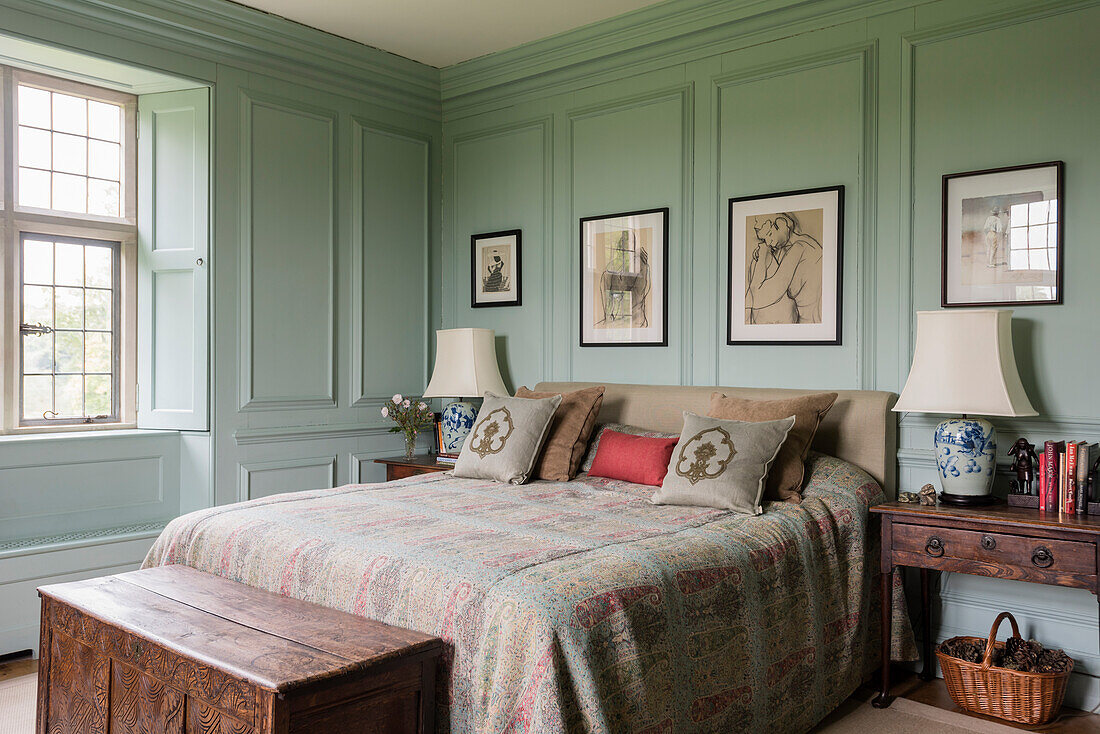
<point x="1043" y="480"/>
<point x="1049" y="471"/>
<point x="1071" y="477"/>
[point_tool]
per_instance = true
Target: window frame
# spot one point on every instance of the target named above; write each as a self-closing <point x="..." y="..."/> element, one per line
<point x="116" y="346"/>
<point x="16" y="220"/>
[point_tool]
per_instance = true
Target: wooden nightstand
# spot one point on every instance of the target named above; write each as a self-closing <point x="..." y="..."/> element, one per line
<point x="1001" y="542"/>
<point x="398" y="467"/>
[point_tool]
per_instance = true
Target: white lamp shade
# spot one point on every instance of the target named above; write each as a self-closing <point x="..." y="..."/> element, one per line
<point x="963" y="363"/>
<point x="465" y="365"/>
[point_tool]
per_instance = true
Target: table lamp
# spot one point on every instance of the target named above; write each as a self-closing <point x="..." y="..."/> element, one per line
<point x="963" y="363"/>
<point x="465" y="367"/>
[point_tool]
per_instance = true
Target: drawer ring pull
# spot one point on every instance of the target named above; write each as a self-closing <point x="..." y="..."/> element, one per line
<point x="934" y="547"/>
<point x="989" y="542"/>
<point x="1042" y="557"/>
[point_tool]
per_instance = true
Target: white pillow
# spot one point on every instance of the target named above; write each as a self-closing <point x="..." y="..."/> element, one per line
<point x="506" y="438"/>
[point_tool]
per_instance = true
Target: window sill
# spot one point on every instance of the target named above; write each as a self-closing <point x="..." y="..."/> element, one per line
<point x="83" y="434"/>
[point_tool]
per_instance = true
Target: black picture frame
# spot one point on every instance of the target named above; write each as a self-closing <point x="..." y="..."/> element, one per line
<point x="945" y="236"/>
<point x="837" y="339"/>
<point x="663" y="341"/>
<point x="475" y="270"/>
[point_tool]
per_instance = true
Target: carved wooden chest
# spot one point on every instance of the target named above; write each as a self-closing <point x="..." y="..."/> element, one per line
<point x="175" y="650"/>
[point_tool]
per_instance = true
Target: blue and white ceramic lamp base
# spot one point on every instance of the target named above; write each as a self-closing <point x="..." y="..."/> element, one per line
<point x="966" y="456"/>
<point x="458" y="420"/>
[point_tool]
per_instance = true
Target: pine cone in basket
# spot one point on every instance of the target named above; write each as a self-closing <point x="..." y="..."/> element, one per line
<point x="1052" y="661"/>
<point x="1021" y="654"/>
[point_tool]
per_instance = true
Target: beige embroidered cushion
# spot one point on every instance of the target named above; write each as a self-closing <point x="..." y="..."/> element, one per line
<point x="505" y="440"/>
<point x="722" y="464"/>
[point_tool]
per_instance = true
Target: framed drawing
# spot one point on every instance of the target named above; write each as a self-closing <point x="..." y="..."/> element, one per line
<point x="624" y="279"/>
<point x="785" y="264"/>
<point x="495" y="269"/>
<point x="1002" y="236"/>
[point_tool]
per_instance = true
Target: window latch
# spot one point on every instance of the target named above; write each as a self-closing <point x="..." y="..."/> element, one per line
<point x="35" y="329"/>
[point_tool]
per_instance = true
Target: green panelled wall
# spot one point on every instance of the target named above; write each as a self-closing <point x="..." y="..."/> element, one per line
<point x="324" y="260"/>
<point x="688" y="103"/>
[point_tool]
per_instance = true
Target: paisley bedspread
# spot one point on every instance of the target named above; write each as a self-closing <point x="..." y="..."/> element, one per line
<point x="579" y="606"/>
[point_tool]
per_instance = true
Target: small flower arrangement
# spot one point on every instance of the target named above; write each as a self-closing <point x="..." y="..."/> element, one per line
<point x="410" y="417"/>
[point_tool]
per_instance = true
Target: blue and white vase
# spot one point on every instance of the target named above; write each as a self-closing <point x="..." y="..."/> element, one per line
<point x="966" y="455"/>
<point x="458" y="420"/>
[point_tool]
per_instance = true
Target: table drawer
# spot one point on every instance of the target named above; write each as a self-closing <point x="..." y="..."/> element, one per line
<point x="996" y="554"/>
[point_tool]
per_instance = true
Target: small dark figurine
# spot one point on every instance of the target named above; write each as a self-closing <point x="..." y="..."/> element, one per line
<point x="1023" y="463"/>
<point x="927" y="495"/>
<point x="907" y="497"/>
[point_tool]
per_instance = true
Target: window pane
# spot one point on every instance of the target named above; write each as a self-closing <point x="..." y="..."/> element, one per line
<point x="37" y="262"/>
<point x="1052" y="235"/>
<point x="70" y="153"/>
<point x="70" y="264"/>
<point x="103" y="197"/>
<point x="1037" y="260"/>
<point x="97" y="395"/>
<point x="70" y="193"/>
<point x="97" y="309"/>
<point x="1037" y="236"/>
<point x="104" y="159"/>
<point x="34" y="148"/>
<point x="70" y="308"/>
<point x="70" y="114"/>
<point x="1054" y="210"/>
<point x="34" y="188"/>
<point x="1018" y="238"/>
<point x="37" y="305"/>
<point x="69" y="396"/>
<point x="97" y="261"/>
<point x="97" y="352"/>
<point x="69" y="351"/>
<point x="104" y="121"/>
<point x="1019" y="215"/>
<point x="1019" y="260"/>
<point x="34" y="107"/>
<point x="1037" y="212"/>
<point x="37" y="353"/>
<point x="37" y="396"/>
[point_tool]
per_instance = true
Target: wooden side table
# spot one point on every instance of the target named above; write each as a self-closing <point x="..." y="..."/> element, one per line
<point x="1015" y="543"/>
<point x="398" y="467"/>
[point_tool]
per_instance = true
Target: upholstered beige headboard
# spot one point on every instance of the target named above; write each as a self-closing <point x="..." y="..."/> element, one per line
<point x="860" y="428"/>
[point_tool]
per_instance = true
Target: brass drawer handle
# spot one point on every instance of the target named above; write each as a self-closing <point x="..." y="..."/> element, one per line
<point x="989" y="542"/>
<point x="1042" y="557"/>
<point x="934" y="547"/>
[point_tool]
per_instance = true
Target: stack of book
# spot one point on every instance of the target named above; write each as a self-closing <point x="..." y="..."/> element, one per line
<point x="449" y="459"/>
<point x="1067" y="477"/>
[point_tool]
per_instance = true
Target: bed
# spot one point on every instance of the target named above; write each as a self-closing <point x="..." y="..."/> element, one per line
<point x="580" y="606"/>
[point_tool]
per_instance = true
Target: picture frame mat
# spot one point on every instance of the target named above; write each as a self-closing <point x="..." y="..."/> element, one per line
<point x="480" y="244"/>
<point x="957" y="188"/>
<point x="830" y="200"/>
<point x="655" y="334"/>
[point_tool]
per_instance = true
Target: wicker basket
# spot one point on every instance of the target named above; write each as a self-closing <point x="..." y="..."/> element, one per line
<point x="1027" y="698"/>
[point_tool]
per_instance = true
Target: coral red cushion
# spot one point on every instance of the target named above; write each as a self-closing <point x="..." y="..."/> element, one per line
<point x="638" y="459"/>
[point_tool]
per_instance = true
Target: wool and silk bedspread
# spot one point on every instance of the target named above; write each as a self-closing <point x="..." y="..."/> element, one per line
<point x="580" y="606"/>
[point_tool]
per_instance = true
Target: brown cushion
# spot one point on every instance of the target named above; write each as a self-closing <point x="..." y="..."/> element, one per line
<point x="785" y="477"/>
<point x="569" y="431"/>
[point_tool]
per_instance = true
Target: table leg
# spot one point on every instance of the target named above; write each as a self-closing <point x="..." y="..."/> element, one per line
<point x="928" y="670"/>
<point x="884" y="699"/>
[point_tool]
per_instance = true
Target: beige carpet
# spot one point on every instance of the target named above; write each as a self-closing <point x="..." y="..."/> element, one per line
<point x="858" y="716"/>
<point x="17" y="697"/>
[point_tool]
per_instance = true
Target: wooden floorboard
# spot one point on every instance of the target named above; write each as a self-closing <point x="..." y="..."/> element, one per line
<point x="932" y="693"/>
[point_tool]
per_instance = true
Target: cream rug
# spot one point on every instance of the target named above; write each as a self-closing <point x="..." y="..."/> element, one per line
<point x="17" y="697"/>
<point x="855" y="716"/>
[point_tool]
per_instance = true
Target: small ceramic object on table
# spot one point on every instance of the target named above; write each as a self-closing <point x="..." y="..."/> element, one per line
<point x="908" y="497"/>
<point x="927" y="495"/>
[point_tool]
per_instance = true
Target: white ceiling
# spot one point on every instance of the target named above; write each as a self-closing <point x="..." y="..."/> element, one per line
<point x="444" y="32"/>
